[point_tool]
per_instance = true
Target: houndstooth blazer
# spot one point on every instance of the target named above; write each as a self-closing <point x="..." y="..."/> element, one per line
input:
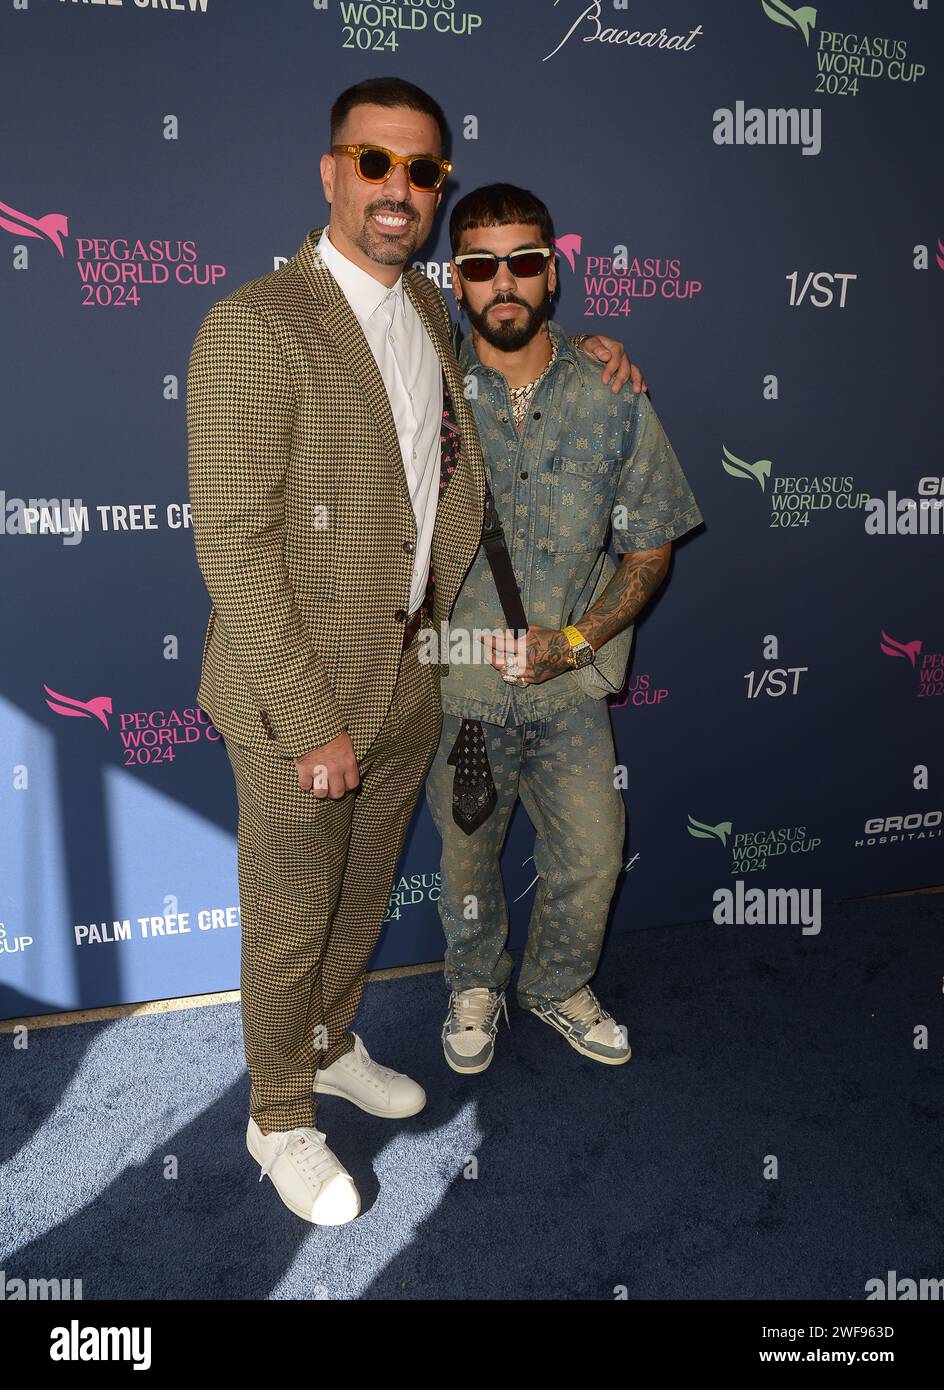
<point x="301" y="513"/>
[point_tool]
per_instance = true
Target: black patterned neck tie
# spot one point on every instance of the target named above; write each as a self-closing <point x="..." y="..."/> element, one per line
<point x="473" y="792"/>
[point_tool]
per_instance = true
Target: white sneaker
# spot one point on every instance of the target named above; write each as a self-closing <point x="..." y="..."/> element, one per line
<point x="305" y="1174"/>
<point x="371" y="1087"/>
<point x="468" y="1035"/>
<point x="588" y="1027"/>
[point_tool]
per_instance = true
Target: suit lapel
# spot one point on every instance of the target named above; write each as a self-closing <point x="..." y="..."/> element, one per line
<point x="339" y="321"/>
<point x="460" y="505"/>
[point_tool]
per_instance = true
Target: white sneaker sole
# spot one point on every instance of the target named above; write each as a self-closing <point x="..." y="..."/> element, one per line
<point x="305" y="1215"/>
<point x="325" y="1088"/>
<point x="578" y="1047"/>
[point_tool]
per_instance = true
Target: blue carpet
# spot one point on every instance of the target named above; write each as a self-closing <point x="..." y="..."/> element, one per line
<point x="748" y="1042"/>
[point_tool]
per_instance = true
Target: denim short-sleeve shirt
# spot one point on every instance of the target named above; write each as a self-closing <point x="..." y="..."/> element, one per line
<point x="588" y="467"/>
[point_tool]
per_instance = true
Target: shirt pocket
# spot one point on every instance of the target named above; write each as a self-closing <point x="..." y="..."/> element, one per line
<point x="581" y="492"/>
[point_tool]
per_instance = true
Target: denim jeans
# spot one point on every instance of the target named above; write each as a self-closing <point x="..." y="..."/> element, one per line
<point x="562" y="767"/>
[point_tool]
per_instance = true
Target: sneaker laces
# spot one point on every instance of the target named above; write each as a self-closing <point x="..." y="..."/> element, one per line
<point x="363" y="1057"/>
<point x="584" y="1007"/>
<point x="308" y="1151"/>
<point x="471" y="1007"/>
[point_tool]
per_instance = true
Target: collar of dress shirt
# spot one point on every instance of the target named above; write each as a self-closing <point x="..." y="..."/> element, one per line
<point x="361" y="290"/>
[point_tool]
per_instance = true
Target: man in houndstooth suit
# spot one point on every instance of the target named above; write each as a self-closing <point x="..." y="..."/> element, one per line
<point x="337" y="491"/>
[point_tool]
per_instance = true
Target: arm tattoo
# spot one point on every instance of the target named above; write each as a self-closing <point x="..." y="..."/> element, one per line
<point x="629" y="590"/>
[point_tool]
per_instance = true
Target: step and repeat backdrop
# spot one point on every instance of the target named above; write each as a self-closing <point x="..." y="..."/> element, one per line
<point x="746" y="193"/>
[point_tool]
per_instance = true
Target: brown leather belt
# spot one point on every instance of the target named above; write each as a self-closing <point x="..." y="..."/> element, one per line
<point x="413" y="624"/>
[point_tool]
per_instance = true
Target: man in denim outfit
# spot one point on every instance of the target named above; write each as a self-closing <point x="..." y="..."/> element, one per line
<point x="566" y="457"/>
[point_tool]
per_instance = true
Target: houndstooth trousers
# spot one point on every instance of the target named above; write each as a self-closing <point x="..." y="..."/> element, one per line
<point x="315" y="877"/>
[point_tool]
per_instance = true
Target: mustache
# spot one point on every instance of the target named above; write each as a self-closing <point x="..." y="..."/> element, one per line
<point x="507" y="298"/>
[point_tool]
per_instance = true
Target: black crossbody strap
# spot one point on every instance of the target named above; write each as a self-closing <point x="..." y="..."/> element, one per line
<point x="493" y="539"/>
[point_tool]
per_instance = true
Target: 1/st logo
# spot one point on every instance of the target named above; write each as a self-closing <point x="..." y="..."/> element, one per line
<point x="822" y="282"/>
<point x="773" y="680"/>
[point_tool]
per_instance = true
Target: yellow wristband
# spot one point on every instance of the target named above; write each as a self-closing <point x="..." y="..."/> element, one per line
<point x="575" y="637"/>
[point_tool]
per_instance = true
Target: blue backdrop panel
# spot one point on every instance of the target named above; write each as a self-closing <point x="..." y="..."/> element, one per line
<point x="744" y="194"/>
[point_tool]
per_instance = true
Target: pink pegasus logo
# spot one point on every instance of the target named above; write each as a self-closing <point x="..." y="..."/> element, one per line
<point x="569" y="247"/>
<point x="99" y="708"/>
<point x="903" y="649"/>
<point x="52" y="225"/>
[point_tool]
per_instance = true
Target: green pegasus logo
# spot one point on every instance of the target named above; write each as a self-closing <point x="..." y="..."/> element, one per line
<point x="738" y="468"/>
<point x="803" y="18"/>
<point x="702" y="831"/>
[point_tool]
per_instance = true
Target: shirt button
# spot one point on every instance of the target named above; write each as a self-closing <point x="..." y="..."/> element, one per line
<point x="537" y="415"/>
<point x="524" y="475"/>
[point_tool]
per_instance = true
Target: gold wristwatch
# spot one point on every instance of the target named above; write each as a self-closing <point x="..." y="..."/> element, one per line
<point x="581" y="652"/>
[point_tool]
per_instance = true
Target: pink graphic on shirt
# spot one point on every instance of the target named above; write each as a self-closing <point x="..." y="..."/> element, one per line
<point x="98" y="708"/>
<point x="52" y="225"/>
<point x="903" y="649"/>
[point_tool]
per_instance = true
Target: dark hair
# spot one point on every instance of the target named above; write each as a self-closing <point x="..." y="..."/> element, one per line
<point x="387" y="91"/>
<point x="498" y="205"/>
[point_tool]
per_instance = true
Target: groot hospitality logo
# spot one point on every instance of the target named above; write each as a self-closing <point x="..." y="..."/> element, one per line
<point x="112" y="270"/>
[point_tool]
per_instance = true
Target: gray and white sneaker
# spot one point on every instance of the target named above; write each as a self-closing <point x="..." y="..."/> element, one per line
<point x="588" y="1027"/>
<point x="468" y="1034"/>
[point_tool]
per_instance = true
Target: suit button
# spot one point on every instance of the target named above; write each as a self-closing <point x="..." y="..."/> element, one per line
<point x="409" y="547"/>
<point x="400" y="614"/>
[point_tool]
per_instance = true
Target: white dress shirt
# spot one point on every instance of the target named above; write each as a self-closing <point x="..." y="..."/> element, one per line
<point x="412" y="374"/>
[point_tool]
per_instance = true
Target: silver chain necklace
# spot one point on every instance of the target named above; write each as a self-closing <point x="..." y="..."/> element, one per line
<point x="521" y="395"/>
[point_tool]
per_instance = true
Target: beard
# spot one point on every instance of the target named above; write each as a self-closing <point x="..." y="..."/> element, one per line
<point x="507" y="335"/>
<point x="391" y="248"/>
